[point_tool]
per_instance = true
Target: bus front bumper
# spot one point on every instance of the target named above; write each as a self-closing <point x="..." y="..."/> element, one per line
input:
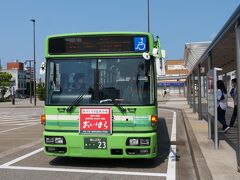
<point x="117" y="145"/>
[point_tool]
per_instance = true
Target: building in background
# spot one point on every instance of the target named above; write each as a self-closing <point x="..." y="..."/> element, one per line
<point x="175" y="76"/>
<point x="19" y="78"/>
<point x="175" y="68"/>
<point x="15" y="65"/>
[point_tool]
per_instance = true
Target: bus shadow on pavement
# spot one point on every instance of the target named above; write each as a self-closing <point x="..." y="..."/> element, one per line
<point x="162" y="157"/>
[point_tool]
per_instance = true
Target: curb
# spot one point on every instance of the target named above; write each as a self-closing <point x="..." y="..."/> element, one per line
<point x="200" y="165"/>
<point x="199" y="162"/>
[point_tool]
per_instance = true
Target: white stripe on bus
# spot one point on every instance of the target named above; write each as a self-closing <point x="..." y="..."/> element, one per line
<point x="62" y="117"/>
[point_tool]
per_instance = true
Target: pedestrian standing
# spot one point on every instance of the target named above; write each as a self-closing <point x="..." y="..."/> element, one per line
<point x="222" y="105"/>
<point x="164" y="92"/>
<point x="233" y="93"/>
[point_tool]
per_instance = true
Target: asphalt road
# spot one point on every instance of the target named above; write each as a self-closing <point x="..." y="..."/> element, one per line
<point x="22" y="158"/>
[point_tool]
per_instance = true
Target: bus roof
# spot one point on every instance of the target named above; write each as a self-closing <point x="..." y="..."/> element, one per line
<point x="100" y="33"/>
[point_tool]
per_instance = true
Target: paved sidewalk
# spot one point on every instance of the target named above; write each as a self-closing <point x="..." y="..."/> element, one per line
<point x="22" y="103"/>
<point x="222" y="163"/>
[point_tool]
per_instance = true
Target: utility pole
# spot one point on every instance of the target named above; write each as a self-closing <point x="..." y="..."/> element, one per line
<point x="34" y="63"/>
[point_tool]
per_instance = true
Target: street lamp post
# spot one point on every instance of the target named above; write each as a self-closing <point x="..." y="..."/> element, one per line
<point x="34" y="63"/>
<point x="148" y="16"/>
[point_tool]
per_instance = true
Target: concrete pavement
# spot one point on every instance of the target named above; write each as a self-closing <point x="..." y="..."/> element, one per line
<point x="222" y="163"/>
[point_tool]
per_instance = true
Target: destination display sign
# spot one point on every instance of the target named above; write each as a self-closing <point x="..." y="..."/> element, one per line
<point x="98" y="44"/>
<point x="95" y="120"/>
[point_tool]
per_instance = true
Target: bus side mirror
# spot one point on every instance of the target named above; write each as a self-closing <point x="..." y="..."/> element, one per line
<point x="42" y="68"/>
<point x="156" y="53"/>
<point x="146" y="56"/>
<point x="163" y="52"/>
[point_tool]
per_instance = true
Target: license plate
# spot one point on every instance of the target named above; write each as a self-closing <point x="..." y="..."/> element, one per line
<point x="95" y="143"/>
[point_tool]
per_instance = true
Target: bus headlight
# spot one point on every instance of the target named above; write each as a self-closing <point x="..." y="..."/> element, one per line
<point x="133" y="142"/>
<point x="54" y="140"/>
<point x="49" y="140"/>
<point x="138" y="141"/>
<point x="145" y="142"/>
<point x="59" y="140"/>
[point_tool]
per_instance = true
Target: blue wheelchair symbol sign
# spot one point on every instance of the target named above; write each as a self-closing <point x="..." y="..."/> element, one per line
<point x="140" y="44"/>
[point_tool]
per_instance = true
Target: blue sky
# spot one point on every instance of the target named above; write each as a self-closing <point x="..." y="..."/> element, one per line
<point x="176" y="22"/>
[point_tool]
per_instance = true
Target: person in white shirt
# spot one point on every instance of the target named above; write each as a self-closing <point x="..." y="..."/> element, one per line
<point x="222" y="105"/>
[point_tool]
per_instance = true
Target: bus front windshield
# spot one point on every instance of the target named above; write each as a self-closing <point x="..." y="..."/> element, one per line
<point x="99" y="81"/>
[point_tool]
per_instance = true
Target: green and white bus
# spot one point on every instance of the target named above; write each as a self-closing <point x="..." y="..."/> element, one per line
<point x="101" y="95"/>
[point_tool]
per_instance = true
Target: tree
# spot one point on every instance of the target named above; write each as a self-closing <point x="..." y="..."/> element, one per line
<point x="5" y="80"/>
<point x="41" y="91"/>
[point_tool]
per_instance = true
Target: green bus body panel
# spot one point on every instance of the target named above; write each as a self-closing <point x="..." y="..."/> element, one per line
<point x="140" y="122"/>
<point x="138" y="127"/>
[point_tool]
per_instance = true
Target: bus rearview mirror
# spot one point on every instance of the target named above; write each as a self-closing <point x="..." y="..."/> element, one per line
<point x="42" y="68"/>
<point x="146" y="56"/>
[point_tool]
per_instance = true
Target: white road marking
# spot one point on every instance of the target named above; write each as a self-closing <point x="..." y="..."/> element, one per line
<point x="18" y="119"/>
<point x="17" y="122"/>
<point x="23" y="124"/>
<point x="94" y="171"/>
<point x="9" y="118"/>
<point x="21" y="158"/>
<point x="171" y="170"/>
<point x="18" y="115"/>
<point x="173" y="135"/>
<point x="17" y="128"/>
<point x="8" y="166"/>
<point x="20" y="148"/>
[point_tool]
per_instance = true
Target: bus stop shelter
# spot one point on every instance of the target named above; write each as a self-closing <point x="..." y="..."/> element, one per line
<point x="223" y="52"/>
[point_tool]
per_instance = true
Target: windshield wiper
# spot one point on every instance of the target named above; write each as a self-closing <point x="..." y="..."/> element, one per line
<point x="76" y="101"/>
<point x="116" y="102"/>
<point x="105" y="101"/>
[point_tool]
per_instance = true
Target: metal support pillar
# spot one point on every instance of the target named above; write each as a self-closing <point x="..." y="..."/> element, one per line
<point x="226" y="85"/>
<point x="237" y="33"/>
<point x="34" y="63"/>
<point x="184" y="89"/>
<point x="199" y="94"/>
<point x="194" y="92"/>
<point x="190" y="90"/>
<point x="30" y="84"/>
<point x="210" y="61"/>
<point x="205" y="86"/>
<point x="210" y="66"/>
<point x="13" y="95"/>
